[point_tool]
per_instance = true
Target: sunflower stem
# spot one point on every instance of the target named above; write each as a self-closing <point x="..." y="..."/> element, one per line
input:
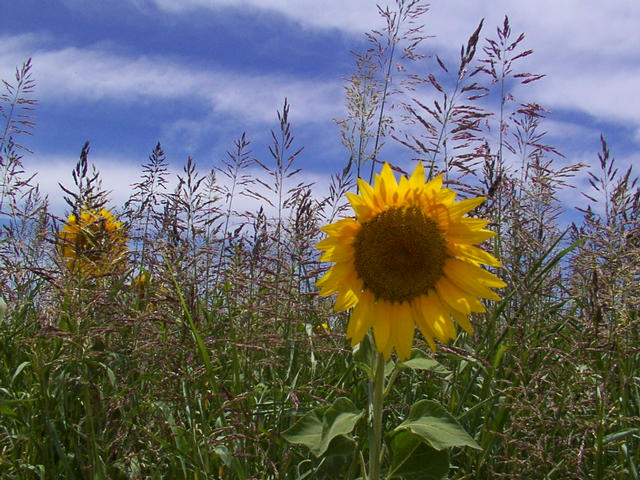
<point x="375" y="446"/>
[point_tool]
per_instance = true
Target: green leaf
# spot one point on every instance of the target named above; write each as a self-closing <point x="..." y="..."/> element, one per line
<point x="8" y="411"/>
<point x="230" y="461"/>
<point x="18" y="371"/>
<point x="318" y="427"/>
<point x="436" y="427"/>
<point x="388" y="368"/>
<point x="223" y="454"/>
<point x="614" y="437"/>
<point x="363" y="354"/>
<point x="420" y="361"/>
<point x="412" y="459"/>
<point x="497" y="359"/>
<point x="338" y="457"/>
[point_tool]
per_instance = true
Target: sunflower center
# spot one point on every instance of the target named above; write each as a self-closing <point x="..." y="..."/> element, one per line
<point x="400" y="254"/>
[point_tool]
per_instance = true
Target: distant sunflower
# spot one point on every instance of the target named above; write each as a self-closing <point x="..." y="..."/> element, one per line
<point x="93" y="243"/>
<point x="408" y="258"/>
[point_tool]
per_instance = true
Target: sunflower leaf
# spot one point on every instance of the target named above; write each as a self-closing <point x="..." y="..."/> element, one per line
<point x="363" y="354"/>
<point x="413" y="459"/>
<point x="338" y="457"/>
<point x="436" y="427"/>
<point x="316" y="429"/>
<point x="419" y="361"/>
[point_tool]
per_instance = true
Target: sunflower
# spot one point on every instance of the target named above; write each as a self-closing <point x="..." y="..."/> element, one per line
<point x="93" y="243"/>
<point x="408" y="258"/>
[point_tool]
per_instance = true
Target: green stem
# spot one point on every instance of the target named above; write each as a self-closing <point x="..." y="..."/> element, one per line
<point x="363" y="467"/>
<point x="392" y="379"/>
<point x="375" y="446"/>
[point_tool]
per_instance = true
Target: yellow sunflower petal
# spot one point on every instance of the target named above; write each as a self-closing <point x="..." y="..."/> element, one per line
<point x="434" y="184"/>
<point x="345" y="300"/>
<point x="443" y="322"/>
<point x="483" y="276"/>
<point x="330" y="243"/>
<point x="403" y="191"/>
<point x="461" y="233"/>
<point x="347" y="227"/>
<point x="473" y="279"/>
<point x="339" y="275"/>
<point x="465" y="206"/>
<point x="473" y="254"/>
<point x="361" y="318"/>
<point x="475" y="223"/>
<point x="420" y="320"/>
<point x="462" y="320"/>
<point x="446" y="197"/>
<point x="382" y="327"/>
<point x="386" y="188"/>
<point x="417" y="179"/>
<point x="361" y="208"/>
<point x="457" y="298"/>
<point x="340" y="284"/>
<point x="434" y="316"/>
<point x="338" y="254"/>
<point x="402" y="330"/>
<point x="453" y="296"/>
<point x="387" y="349"/>
<point x="368" y="197"/>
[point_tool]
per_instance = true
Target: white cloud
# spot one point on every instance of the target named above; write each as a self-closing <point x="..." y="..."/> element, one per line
<point x="558" y="130"/>
<point x="353" y="16"/>
<point x="96" y="73"/>
<point x="117" y="175"/>
<point x="603" y="94"/>
<point x="570" y="25"/>
<point x="588" y="50"/>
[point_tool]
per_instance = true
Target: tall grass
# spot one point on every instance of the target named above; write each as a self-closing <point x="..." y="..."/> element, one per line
<point x="195" y="371"/>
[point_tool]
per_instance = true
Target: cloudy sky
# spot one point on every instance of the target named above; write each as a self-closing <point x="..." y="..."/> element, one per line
<point x="195" y="74"/>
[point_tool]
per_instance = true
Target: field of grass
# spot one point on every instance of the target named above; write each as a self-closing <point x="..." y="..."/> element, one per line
<point x="182" y="337"/>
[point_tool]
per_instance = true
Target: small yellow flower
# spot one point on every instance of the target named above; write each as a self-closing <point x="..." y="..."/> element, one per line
<point x="94" y="243"/>
<point x="139" y="282"/>
<point x="407" y="259"/>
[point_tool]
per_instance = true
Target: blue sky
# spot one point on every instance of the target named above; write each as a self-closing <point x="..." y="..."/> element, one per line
<point x="195" y="74"/>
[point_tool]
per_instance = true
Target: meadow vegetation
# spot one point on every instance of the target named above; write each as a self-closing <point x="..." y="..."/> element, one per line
<point x="187" y="353"/>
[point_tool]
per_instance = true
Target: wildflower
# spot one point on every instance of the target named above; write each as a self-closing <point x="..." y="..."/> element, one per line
<point x="408" y="258"/>
<point x="92" y="243"/>
<point x="140" y="281"/>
